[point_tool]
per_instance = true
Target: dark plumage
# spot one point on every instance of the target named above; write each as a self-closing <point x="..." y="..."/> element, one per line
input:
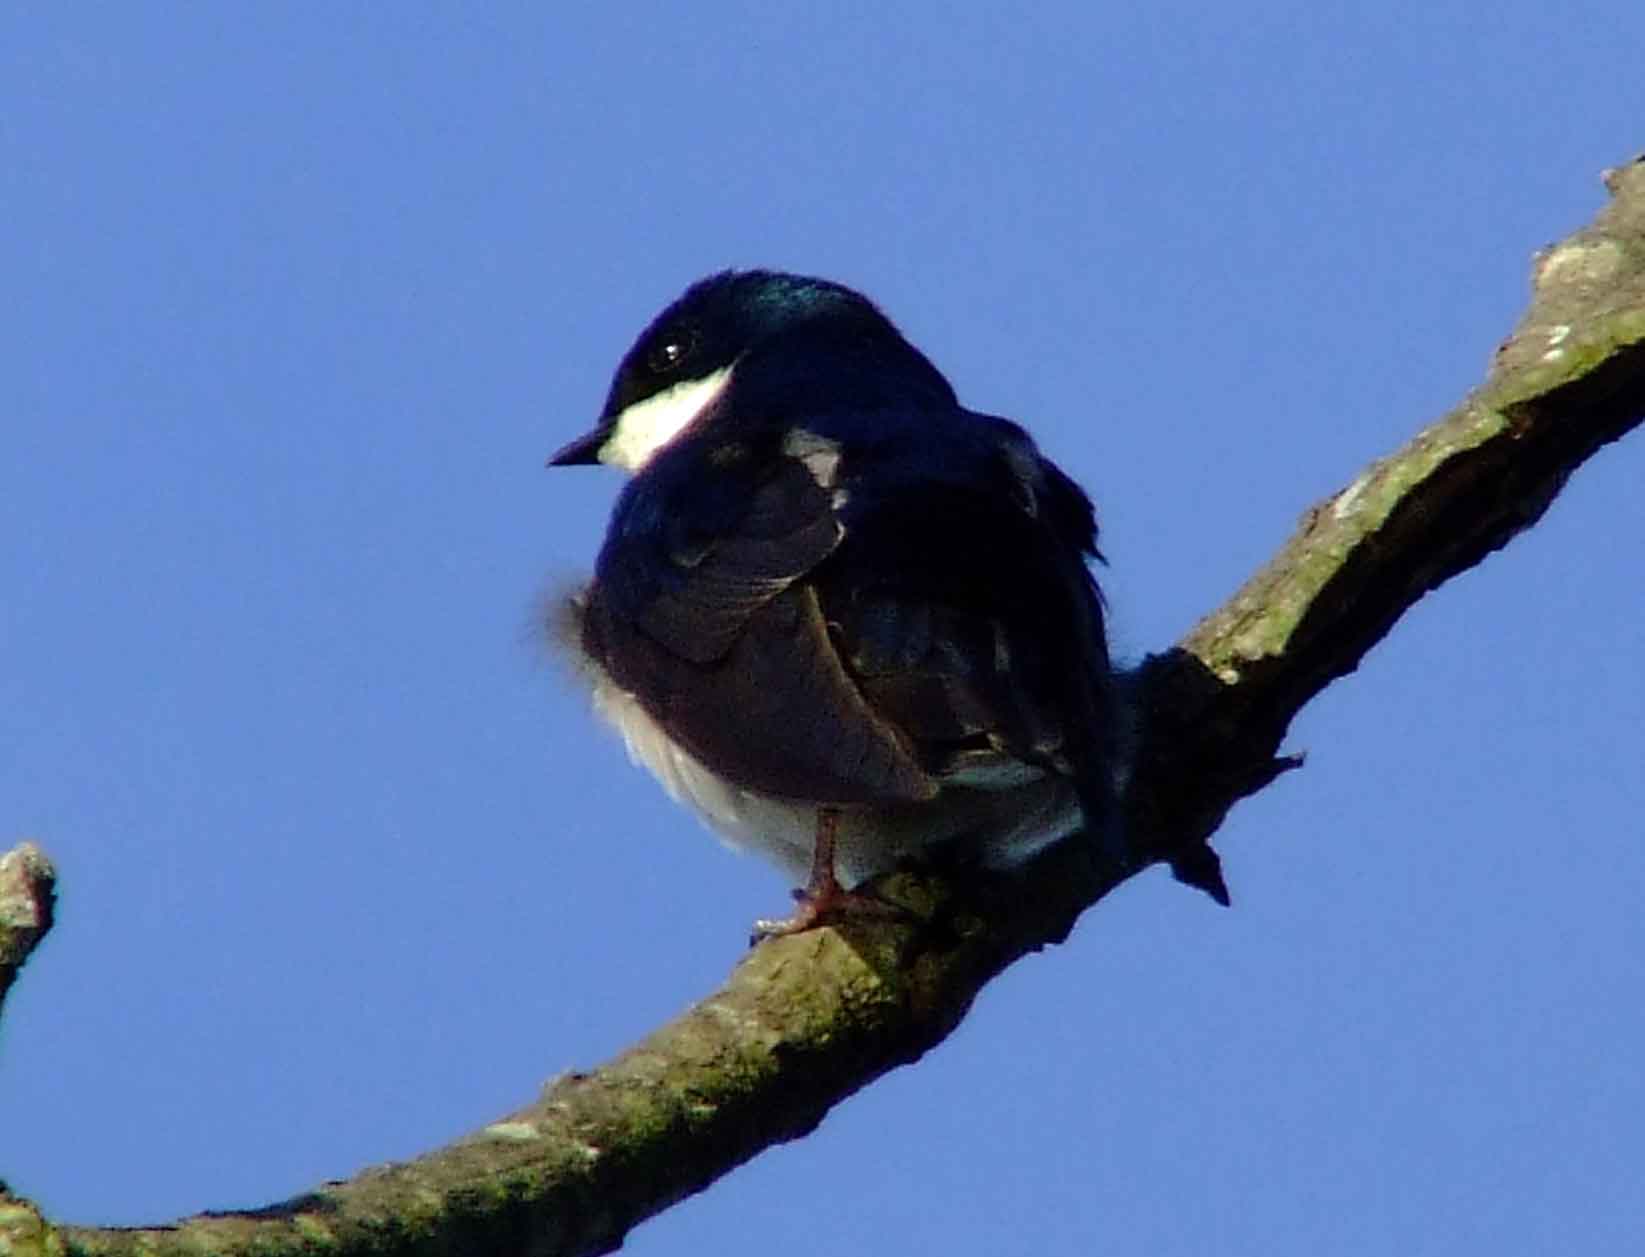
<point x="834" y="603"/>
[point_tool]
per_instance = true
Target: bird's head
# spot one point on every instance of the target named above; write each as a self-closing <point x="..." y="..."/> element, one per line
<point x="683" y="361"/>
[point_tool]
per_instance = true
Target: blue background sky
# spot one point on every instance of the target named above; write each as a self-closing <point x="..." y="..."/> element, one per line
<point x="298" y="299"/>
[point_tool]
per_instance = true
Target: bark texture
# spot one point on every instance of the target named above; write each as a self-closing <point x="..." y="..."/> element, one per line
<point x="803" y="1022"/>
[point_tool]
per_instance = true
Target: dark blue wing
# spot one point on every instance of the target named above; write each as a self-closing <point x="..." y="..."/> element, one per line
<point x="703" y="609"/>
<point x="854" y="615"/>
<point x="964" y="606"/>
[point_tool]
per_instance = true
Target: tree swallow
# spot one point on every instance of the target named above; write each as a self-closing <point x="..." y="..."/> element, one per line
<point x="836" y="613"/>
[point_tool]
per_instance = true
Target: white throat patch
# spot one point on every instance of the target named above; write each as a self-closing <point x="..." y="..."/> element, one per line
<point x="647" y="426"/>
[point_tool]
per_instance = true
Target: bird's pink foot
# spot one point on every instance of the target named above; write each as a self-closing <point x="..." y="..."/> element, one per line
<point x="823" y="899"/>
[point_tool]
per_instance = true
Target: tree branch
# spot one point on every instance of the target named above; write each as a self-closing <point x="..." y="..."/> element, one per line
<point x="28" y="894"/>
<point x="805" y="1021"/>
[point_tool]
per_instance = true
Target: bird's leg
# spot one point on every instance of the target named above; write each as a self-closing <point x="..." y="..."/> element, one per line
<point x="822" y="897"/>
<point x="823" y="886"/>
<point x="822" y="892"/>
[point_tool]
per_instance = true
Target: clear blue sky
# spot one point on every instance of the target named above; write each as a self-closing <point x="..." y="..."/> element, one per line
<point x="300" y="296"/>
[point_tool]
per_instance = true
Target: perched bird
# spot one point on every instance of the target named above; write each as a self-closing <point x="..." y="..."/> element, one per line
<point x="838" y="614"/>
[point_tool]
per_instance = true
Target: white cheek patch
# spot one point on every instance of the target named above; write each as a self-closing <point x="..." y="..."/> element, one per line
<point x="647" y="426"/>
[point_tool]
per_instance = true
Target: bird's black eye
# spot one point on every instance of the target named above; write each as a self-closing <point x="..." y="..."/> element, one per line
<point x="672" y="349"/>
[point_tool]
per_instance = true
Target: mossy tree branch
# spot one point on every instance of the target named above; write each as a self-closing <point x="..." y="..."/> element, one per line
<point x="803" y="1022"/>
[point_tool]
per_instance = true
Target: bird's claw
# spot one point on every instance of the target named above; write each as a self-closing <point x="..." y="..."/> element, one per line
<point x="825" y="906"/>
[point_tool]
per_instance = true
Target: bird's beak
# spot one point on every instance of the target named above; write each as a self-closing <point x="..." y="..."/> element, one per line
<point x="584" y="450"/>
